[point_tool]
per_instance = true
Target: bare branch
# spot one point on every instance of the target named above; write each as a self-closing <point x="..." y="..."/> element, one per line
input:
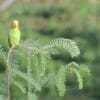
<point x="8" y="71"/>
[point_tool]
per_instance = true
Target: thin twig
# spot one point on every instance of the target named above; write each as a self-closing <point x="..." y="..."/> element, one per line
<point x="8" y="71"/>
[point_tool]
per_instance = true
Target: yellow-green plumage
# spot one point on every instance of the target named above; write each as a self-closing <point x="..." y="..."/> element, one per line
<point x="14" y="34"/>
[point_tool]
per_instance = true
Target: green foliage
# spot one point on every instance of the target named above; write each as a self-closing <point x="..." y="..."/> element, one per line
<point x="2" y="84"/>
<point x="82" y="72"/>
<point x="2" y="53"/>
<point x="20" y="86"/>
<point x="69" y="45"/>
<point x="25" y="77"/>
<point x="42" y="63"/>
<point x="43" y="11"/>
<point x="75" y="19"/>
<point x="79" y="78"/>
<point x="60" y="80"/>
<point x="41" y="52"/>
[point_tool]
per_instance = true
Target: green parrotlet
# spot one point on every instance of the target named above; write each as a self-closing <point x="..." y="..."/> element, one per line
<point x="14" y="34"/>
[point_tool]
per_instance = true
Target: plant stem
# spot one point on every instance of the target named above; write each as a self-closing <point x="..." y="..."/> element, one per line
<point x="37" y="69"/>
<point x="8" y="71"/>
<point x="29" y="75"/>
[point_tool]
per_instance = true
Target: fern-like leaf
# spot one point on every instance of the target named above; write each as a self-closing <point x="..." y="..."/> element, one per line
<point x="2" y="52"/>
<point x="3" y="84"/>
<point x="42" y="63"/>
<point x="25" y="77"/>
<point x="69" y="45"/>
<point x="29" y="45"/>
<point x="20" y="86"/>
<point x="79" y="78"/>
<point x="60" y="81"/>
<point x="82" y="72"/>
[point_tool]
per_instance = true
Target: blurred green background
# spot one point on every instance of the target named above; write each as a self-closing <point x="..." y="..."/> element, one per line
<point x="45" y="20"/>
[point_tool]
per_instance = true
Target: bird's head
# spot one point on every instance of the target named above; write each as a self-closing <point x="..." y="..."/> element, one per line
<point x="15" y="24"/>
